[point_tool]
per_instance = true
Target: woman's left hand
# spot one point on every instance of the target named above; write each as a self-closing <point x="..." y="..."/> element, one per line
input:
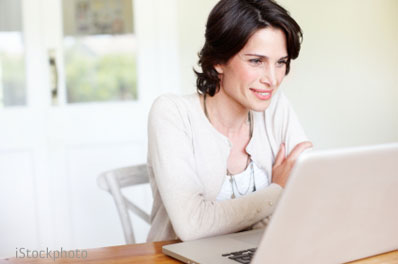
<point x="283" y="165"/>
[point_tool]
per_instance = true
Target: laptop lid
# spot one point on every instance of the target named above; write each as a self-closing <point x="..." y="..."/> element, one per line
<point x="338" y="206"/>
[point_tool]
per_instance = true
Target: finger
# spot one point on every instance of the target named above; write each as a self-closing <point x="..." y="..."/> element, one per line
<point x="281" y="155"/>
<point x="298" y="149"/>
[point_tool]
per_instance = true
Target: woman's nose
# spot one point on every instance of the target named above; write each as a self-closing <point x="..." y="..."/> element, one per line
<point x="269" y="76"/>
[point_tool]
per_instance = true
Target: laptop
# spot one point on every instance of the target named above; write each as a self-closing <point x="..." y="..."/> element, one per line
<point x="338" y="206"/>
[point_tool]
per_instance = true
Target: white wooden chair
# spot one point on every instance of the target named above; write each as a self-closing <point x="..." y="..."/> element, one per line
<point x="113" y="181"/>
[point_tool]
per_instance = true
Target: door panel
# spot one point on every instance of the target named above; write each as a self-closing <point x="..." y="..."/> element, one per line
<point x="53" y="150"/>
<point x="18" y="221"/>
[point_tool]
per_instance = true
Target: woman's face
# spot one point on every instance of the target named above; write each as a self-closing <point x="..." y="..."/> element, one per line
<point x="252" y="76"/>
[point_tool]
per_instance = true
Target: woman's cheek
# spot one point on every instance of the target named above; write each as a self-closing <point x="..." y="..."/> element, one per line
<point x="249" y="75"/>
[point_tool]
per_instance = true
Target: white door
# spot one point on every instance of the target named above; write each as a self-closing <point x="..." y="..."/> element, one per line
<point x="78" y="115"/>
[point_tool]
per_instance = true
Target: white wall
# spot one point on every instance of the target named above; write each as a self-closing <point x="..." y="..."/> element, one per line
<point x="192" y="17"/>
<point x="344" y="85"/>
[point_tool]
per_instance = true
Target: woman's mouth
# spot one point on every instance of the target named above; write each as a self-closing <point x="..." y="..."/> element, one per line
<point x="262" y="94"/>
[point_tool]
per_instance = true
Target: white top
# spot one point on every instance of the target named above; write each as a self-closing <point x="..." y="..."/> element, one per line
<point x="187" y="161"/>
<point x="243" y="182"/>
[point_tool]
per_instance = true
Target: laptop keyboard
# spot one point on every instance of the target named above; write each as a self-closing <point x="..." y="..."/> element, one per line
<point x="243" y="256"/>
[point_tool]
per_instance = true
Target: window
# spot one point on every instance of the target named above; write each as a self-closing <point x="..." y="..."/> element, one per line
<point x="12" y="58"/>
<point x="99" y="51"/>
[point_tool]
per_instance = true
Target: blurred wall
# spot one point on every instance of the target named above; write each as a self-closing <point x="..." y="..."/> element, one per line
<point x="344" y="85"/>
<point x="192" y="16"/>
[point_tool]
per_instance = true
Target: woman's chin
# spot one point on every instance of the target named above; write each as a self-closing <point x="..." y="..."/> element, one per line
<point x="260" y="107"/>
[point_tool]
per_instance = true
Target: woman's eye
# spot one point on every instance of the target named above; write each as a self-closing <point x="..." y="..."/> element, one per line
<point x="255" y="61"/>
<point x="282" y="63"/>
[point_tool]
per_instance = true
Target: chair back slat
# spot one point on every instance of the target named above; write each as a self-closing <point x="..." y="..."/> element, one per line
<point x="132" y="175"/>
<point x="138" y="211"/>
<point x="112" y="182"/>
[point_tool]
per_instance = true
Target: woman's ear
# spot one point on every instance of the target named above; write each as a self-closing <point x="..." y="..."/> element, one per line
<point x="219" y="68"/>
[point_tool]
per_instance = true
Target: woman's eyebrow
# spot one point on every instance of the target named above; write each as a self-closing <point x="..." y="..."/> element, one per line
<point x="263" y="56"/>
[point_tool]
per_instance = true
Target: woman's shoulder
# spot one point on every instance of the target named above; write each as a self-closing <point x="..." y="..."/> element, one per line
<point x="173" y="100"/>
<point x="174" y="107"/>
<point x="279" y="102"/>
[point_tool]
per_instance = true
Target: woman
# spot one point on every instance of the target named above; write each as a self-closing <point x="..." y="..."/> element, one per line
<point x="218" y="159"/>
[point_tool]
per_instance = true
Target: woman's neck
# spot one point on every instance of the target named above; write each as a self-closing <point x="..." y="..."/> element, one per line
<point x="226" y="115"/>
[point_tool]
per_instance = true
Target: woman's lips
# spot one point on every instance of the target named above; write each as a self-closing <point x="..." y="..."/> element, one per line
<point x="262" y="94"/>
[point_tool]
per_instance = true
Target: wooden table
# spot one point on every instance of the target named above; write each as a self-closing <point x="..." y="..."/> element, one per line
<point x="152" y="253"/>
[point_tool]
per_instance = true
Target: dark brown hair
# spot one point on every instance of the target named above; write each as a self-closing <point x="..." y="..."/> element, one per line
<point x="230" y="25"/>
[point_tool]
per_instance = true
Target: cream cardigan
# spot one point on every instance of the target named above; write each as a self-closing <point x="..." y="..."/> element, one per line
<point x="187" y="159"/>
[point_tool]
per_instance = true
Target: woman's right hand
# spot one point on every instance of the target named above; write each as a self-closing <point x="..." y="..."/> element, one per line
<point x="283" y="165"/>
